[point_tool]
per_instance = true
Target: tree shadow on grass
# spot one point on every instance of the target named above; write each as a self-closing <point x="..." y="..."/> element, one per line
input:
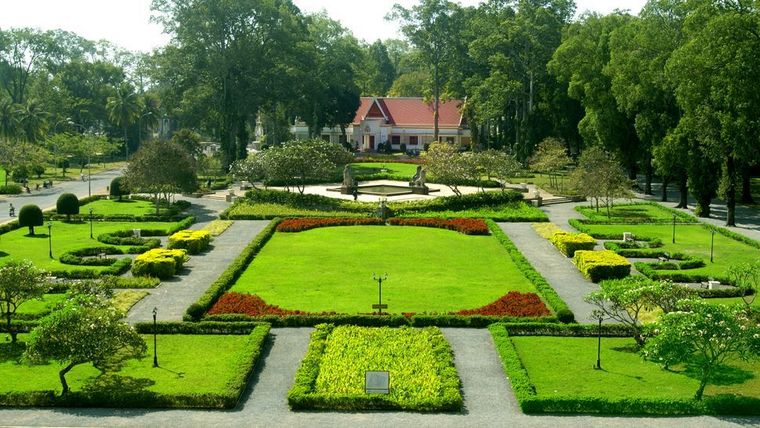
<point x="628" y="349"/>
<point x="722" y="375"/>
<point x="113" y="383"/>
<point x="3" y="254"/>
<point x="37" y="235"/>
<point x="11" y="351"/>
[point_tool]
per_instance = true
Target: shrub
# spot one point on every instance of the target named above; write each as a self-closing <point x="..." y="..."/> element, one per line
<point x="20" y="174"/>
<point x="467" y="226"/>
<point x="130" y="282"/>
<point x="601" y="265"/>
<point x="301" y="224"/>
<point x="569" y="243"/>
<point x="514" y="304"/>
<point x="118" y="188"/>
<point x="10" y="189"/>
<point x="160" y="263"/>
<point x="30" y="216"/>
<point x="83" y="256"/>
<point x="68" y="205"/>
<point x="194" y="241"/>
<point x="117" y="268"/>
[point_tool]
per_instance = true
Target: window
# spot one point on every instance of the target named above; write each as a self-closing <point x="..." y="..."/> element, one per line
<point x="413" y="140"/>
<point x="450" y="140"/>
<point x="396" y="139"/>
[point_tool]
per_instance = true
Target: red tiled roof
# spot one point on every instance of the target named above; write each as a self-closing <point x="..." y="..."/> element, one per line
<point x="410" y="111"/>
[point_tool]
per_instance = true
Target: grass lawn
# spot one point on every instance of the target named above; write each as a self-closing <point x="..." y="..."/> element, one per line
<point x="389" y="171"/>
<point x="563" y="366"/>
<point x="429" y="270"/>
<point x="189" y="364"/>
<point x="107" y="207"/>
<point x="266" y="210"/>
<point x="16" y="245"/>
<point x="514" y="212"/>
<point x="419" y="361"/>
<point x="36" y="308"/>
<point x="629" y="212"/>
<point x="692" y="240"/>
<point x="734" y="301"/>
<point x="125" y="299"/>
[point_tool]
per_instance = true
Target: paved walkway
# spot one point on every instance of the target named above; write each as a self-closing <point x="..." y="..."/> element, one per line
<point x="173" y="296"/>
<point x="558" y="270"/>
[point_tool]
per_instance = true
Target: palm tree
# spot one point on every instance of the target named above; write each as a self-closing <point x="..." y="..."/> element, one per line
<point x="32" y="120"/>
<point x="124" y="109"/>
<point x="8" y="119"/>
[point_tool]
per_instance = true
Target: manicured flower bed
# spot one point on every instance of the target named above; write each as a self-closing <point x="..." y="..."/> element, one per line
<point x="468" y="226"/>
<point x="301" y="224"/>
<point x="514" y="304"/>
<point x="251" y="305"/>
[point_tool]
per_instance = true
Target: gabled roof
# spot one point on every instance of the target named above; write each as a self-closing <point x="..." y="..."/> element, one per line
<point x="409" y="111"/>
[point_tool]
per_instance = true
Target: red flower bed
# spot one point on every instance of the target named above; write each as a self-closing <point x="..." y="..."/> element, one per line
<point x="468" y="226"/>
<point x="301" y="224"/>
<point x="514" y="304"/>
<point x="252" y="305"/>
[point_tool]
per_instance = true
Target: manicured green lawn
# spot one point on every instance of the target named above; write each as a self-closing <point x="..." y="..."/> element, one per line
<point x="692" y="240"/>
<point x="108" y="207"/>
<point x="514" y="212"/>
<point x="563" y="366"/>
<point x="16" y="245"/>
<point x="189" y="364"/>
<point x="625" y="212"/>
<point x="734" y="301"/>
<point x="429" y="270"/>
<point x="265" y="210"/>
<point x="419" y="361"/>
<point x="392" y="170"/>
<point x="37" y="308"/>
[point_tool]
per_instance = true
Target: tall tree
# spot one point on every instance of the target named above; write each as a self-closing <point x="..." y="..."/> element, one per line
<point x="124" y="110"/>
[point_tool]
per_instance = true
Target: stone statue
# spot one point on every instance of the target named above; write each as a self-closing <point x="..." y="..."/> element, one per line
<point x="419" y="178"/>
<point x="348" y="177"/>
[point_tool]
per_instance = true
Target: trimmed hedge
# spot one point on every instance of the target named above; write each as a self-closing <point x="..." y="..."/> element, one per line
<point x="560" y="308"/>
<point x="194" y="241"/>
<point x="466" y="226"/>
<point x="231" y="274"/>
<point x="532" y="402"/>
<point x="292" y="225"/>
<point x="77" y="257"/>
<point x="600" y="265"/>
<point x="203" y="327"/>
<point x="117" y="268"/>
<point x="569" y="243"/>
<point x="159" y="262"/>
<point x="601" y="218"/>
<point x="647" y="269"/>
<point x="10" y="189"/>
<point x="248" y="358"/>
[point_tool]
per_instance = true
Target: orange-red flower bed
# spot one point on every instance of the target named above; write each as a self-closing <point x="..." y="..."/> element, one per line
<point x="514" y="304"/>
<point x="252" y="305"/>
<point x="468" y="226"/>
<point x="301" y="224"/>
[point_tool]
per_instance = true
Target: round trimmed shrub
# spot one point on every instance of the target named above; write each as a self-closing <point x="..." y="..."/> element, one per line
<point x="119" y="188"/>
<point x="30" y="216"/>
<point x="67" y="204"/>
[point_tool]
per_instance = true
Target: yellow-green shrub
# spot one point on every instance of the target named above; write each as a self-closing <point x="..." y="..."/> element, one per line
<point x="569" y="243"/>
<point x="159" y="262"/>
<point x="601" y="265"/>
<point x="194" y="241"/>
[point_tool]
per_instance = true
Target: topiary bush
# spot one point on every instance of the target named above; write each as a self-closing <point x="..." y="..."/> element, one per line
<point x="119" y="188"/>
<point x="67" y="204"/>
<point x="601" y="265"/>
<point x="30" y="216"/>
<point x="194" y="241"/>
<point x="569" y="243"/>
<point x="159" y="262"/>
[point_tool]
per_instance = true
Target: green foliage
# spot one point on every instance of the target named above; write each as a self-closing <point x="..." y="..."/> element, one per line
<point x="446" y="165"/>
<point x="10" y="189"/>
<point x="746" y="277"/>
<point x="600" y="177"/>
<point x="160" y="263"/>
<point x="30" y="216"/>
<point x="298" y="163"/>
<point x="601" y="265"/>
<point x="194" y="241"/>
<point x="118" y="188"/>
<point x="19" y="282"/>
<point x="569" y="243"/>
<point x="420" y="362"/>
<point x="147" y="171"/>
<point x="635" y="213"/>
<point x="67" y="204"/>
<point x="189" y="140"/>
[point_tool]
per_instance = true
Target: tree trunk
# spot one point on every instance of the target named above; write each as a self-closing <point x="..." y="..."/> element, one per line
<point x="703" y="207"/>
<point x="665" y="183"/>
<point x="436" y="101"/>
<point x="62" y="377"/>
<point x="648" y="173"/>
<point x="731" y="191"/>
<point x="683" y="190"/>
<point x="242" y="139"/>
<point x="10" y="330"/>
<point x="702" y="384"/>
<point x="747" y="186"/>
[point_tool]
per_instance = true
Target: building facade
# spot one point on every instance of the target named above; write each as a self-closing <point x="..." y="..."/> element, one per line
<point x="407" y="121"/>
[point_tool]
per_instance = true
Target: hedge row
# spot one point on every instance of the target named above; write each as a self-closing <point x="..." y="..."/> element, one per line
<point x="303" y="396"/>
<point x="457" y="203"/>
<point x="649" y="271"/>
<point x="602" y="219"/>
<point x="117" y="268"/>
<point x="231" y="274"/>
<point x="160" y="263"/>
<point x="466" y="226"/>
<point x="560" y="308"/>
<point x="307" y="223"/>
<point x="600" y="265"/>
<point x="532" y="402"/>
<point x="569" y="243"/>
<point x="203" y="327"/>
<point x="120" y="398"/>
<point x="84" y="256"/>
<point x="194" y="241"/>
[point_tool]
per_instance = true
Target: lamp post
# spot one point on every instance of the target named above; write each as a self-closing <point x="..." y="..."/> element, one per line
<point x="379" y="306"/>
<point x="155" y="354"/>
<point x="712" y="243"/>
<point x="50" y="239"/>
<point x="598" y="365"/>
<point x="89" y="174"/>
<point x="91" y="224"/>
<point x="674" y="229"/>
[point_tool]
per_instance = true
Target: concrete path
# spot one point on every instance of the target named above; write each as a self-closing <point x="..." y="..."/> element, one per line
<point x="173" y="296"/>
<point x="558" y="270"/>
<point x="46" y="198"/>
<point x="489" y="401"/>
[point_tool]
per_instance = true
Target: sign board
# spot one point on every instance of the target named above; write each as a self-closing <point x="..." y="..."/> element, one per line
<point x="376" y="306"/>
<point x="377" y="382"/>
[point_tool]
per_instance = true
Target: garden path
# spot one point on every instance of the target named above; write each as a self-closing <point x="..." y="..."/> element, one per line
<point x="558" y="270"/>
<point x="173" y="296"/>
<point x="488" y="397"/>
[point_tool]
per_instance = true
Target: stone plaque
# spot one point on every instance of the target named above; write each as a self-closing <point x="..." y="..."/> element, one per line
<point x="377" y="382"/>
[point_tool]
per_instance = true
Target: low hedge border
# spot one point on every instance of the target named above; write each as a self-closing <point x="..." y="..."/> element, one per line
<point x="172" y="213"/>
<point x="560" y="308"/>
<point x="531" y="402"/>
<point x="600" y="218"/>
<point x="647" y="270"/>
<point x="116" y="269"/>
<point x="203" y="327"/>
<point x="302" y="396"/>
<point x="231" y="274"/>
<point x="248" y="358"/>
<point x="82" y="256"/>
<point x="366" y="320"/>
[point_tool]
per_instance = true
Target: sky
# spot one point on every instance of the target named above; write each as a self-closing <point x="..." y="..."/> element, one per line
<point x="126" y="23"/>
